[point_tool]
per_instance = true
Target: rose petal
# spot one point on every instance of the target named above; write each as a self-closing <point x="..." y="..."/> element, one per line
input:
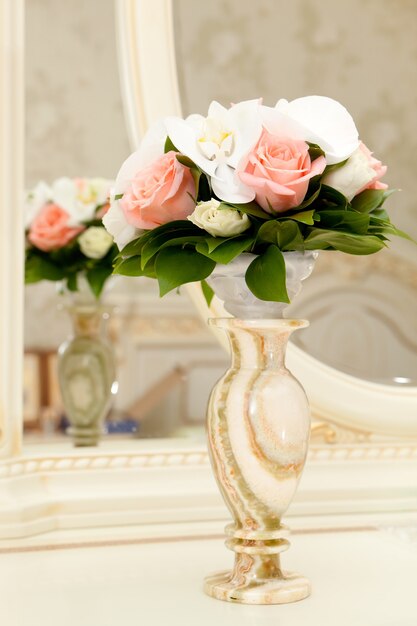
<point x="151" y="147"/>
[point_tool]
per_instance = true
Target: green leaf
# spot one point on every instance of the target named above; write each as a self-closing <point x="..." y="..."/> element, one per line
<point x="203" y="188"/>
<point x="208" y="292"/>
<point x="177" y="266"/>
<point x="266" y="276"/>
<point x="289" y="236"/>
<point x="228" y="250"/>
<point x="379" y="214"/>
<point x="306" y="217"/>
<point x="286" y="234"/>
<point x="314" y="151"/>
<point x="250" y="208"/>
<point x="118" y="196"/>
<point x="169" y="146"/>
<point x="167" y="239"/>
<point x="72" y="282"/>
<point x="344" y="220"/>
<point x="386" y="228"/>
<point x="96" y="277"/>
<point x="38" y="268"/>
<point x="132" y="267"/>
<point x="171" y="229"/>
<point x="320" y="239"/>
<point x="135" y="246"/>
<point x="331" y="195"/>
<point x="184" y="160"/>
<point x="214" y="242"/>
<point x="368" y="200"/>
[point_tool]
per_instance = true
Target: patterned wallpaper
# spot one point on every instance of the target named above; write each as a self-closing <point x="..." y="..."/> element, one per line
<point x="74" y="113"/>
<point x="361" y="52"/>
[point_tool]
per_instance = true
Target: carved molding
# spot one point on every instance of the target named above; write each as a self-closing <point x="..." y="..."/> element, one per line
<point x="83" y="462"/>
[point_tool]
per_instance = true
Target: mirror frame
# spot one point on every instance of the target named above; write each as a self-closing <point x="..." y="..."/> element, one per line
<point x="11" y="225"/>
<point x="151" y="91"/>
<point x="58" y="495"/>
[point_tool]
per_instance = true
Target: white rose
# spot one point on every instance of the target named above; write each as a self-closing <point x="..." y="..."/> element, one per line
<point x="95" y="242"/>
<point x="219" y="222"/>
<point x="355" y="175"/>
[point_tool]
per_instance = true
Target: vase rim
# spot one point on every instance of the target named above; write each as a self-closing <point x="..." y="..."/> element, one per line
<point x="264" y="324"/>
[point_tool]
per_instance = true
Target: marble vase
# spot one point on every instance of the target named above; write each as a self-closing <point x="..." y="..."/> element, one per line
<point x="86" y="373"/>
<point x="258" y="432"/>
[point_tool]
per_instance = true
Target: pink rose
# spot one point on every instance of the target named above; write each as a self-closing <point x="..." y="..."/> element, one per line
<point x="50" y="230"/>
<point x="159" y="193"/>
<point x="279" y="170"/>
<point x="379" y="169"/>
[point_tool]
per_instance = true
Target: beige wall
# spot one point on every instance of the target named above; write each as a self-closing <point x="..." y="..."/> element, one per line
<point x="74" y="115"/>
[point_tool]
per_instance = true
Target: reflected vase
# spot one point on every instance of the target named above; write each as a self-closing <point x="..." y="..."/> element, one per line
<point x="258" y="432"/>
<point x="86" y="373"/>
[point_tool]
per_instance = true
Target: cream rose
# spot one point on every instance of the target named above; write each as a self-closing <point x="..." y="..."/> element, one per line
<point x="218" y="222"/>
<point x="95" y="242"/>
<point x="361" y="171"/>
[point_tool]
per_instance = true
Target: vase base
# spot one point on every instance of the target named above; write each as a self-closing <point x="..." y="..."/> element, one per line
<point x="84" y="437"/>
<point x="289" y="588"/>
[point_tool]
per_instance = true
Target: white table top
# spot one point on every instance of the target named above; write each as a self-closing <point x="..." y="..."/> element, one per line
<point x="360" y="578"/>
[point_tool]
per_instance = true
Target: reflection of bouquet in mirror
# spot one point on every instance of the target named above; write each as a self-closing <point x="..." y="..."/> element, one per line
<point x="65" y="238"/>
<point x="67" y="243"/>
<point x="242" y="188"/>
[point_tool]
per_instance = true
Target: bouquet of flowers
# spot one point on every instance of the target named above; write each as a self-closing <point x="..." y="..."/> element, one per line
<point x="252" y="178"/>
<point x="65" y="237"/>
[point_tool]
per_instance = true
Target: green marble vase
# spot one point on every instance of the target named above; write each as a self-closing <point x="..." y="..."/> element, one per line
<point x="86" y="373"/>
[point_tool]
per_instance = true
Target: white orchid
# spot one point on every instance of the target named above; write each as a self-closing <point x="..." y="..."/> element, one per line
<point x="316" y="119"/>
<point x="218" y="142"/>
<point x="35" y="200"/>
<point x="80" y="197"/>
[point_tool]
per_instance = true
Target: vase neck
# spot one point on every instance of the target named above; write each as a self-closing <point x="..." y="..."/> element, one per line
<point x="88" y="321"/>
<point x="258" y="344"/>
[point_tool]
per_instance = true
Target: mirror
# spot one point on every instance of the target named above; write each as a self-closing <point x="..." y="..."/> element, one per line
<point x="78" y="123"/>
<point x="166" y="358"/>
